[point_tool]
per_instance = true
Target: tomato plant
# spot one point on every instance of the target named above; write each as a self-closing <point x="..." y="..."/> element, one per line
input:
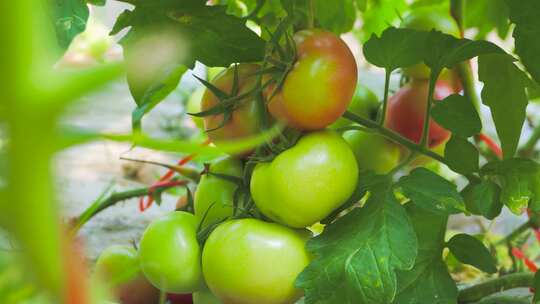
<point x="302" y="185"/>
<point x="272" y="256"/>
<point x="380" y="180"/>
<point x="170" y="254"/>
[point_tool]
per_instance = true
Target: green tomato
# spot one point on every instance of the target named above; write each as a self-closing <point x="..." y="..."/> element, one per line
<point x="170" y="253"/>
<point x="118" y="267"/>
<point x="304" y="184"/>
<point x="194" y="106"/>
<point x="217" y="193"/>
<point x="250" y="261"/>
<point x="373" y="151"/>
<point x="364" y="104"/>
<point x="205" y="296"/>
<point x="426" y="20"/>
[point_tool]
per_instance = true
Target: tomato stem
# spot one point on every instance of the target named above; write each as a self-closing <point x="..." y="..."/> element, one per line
<point x="424" y="142"/>
<point x="479" y="291"/>
<point x="385" y="98"/>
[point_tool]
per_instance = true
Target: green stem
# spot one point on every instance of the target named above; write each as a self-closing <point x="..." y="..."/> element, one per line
<point x="311" y="19"/>
<point x="456" y="10"/>
<point x="100" y="205"/>
<point x="385" y="99"/>
<point x="529" y="146"/>
<point x="467" y="80"/>
<point x="489" y="287"/>
<point x="394" y="136"/>
<point x="514" y="234"/>
<point x="427" y="117"/>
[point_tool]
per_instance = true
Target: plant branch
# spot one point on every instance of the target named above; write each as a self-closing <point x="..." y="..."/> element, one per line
<point x="394" y="136"/>
<point x="477" y="292"/>
<point x="427" y="118"/>
<point x="467" y="80"/>
<point x="102" y="204"/>
<point x="516" y="233"/>
<point x="385" y="99"/>
<point x="529" y="146"/>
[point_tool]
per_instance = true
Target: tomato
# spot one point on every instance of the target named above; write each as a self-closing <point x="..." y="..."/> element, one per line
<point x="170" y="254"/>
<point x="250" y="261"/>
<point x="194" y="106"/>
<point x="407" y="108"/>
<point x="217" y="193"/>
<point x="244" y="119"/>
<point x="179" y="298"/>
<point x="426" y="20"/>
<point x="318" y="89"/>
<point x="205" y="296"/>
<point x="119" y="267"/>
<point x="373" y="151"/>
<point x="305" y="183"/>
<point x="364" y="104"/>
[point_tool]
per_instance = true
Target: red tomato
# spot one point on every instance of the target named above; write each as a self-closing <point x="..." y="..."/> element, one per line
<point x="407" y="108"/>
<point x="320" y="86"/>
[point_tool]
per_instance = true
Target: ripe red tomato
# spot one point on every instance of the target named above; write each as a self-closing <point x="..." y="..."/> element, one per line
<point x="244" y="120"/>
<point x="318" y="89"/>
<point x="407" y="108"/>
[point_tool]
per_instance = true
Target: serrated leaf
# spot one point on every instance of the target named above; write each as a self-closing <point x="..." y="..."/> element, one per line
<point x="457" y="114"/>
<point x="431" y="192"/>
<point x="524" y="14"/>
<point x="395" y="48"/>
<point x="337" y="16"/>
<point x="504" y="92"/>
<point x="69" y="17"/>
<point x="428" y="281"/>
<point x="483" y="199"/>
<point x="469" y="250"/>
<point x="519" y="180"/>
<point x="356" y="263"/>
<point x="461" y="155"/>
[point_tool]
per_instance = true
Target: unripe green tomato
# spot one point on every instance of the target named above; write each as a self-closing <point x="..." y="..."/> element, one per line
<point x="305" y="183"/>
<point x="205" y="296"/>
<point x="364" y="104"/>
<point x="426" y="20"/>
<point x="170" y="253"/>
<point x="217" y="193"/>
<point x="249" y="261"/>
<point x="194" y="106"/>
<point x="118" y="267"/>
<point x="373" y="151"/>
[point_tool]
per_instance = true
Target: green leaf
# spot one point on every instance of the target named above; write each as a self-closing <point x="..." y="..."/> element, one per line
<point x="470" y="250"/>
<point x="519" y="180"/>
<point x="524" y="14"/>
<point x="457" y="114"/>
<point x="431" y="192"/>
<point x="357" y="256"/>
<point x="395" y="48"/>
<point x="504" y="92"/>
<point x="428" y="281"/>
<point x="447" y="51"/>
<point x="483" y="199"/>
<point x="97" y="2"/>
<point x="155" y="93"/>
<point x="337" y="16"/>
<point x="211" y="35"/>
<point x="462" y="156"/>
<point x="361" y="5"/>
<point x="69" y="17"/>
<point x="379" y="14"/>
<point x="486" y="15"/>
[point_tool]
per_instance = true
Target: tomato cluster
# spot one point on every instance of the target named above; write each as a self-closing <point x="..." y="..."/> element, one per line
<point x="245" y="242"/>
